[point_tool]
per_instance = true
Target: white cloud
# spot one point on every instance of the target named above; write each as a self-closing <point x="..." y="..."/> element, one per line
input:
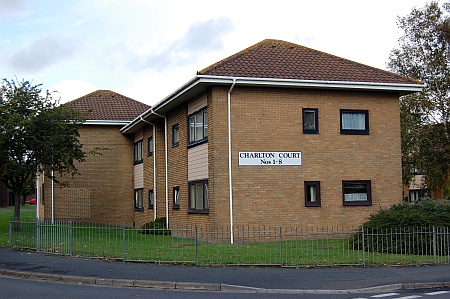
<point x="11" y="7"/>
<point x="68" y="90"/>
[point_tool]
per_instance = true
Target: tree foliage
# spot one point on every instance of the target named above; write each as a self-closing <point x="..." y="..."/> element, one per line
<point x="424" y="54"/>
<point x="37" y="136"/>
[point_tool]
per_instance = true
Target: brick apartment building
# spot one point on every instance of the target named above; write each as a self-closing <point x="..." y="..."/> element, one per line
<point x="275" y="135"/>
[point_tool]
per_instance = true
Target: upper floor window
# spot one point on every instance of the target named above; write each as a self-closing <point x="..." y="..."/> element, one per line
<point x="138" y="152"/>
<point x="354" y="122"/>
<point x="198" y="127"/>
<point x="150" y="146"/>
<point x="175" y="135"/>
<point x="310" y="121"/>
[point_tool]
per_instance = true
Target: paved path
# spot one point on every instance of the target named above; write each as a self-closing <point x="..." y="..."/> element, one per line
<point x="90" y="271"/>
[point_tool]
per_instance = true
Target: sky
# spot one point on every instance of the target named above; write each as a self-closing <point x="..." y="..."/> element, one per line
<point x="146" y="49"/>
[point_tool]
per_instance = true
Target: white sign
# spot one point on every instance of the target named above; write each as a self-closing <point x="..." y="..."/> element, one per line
<point x="270" y="158"/>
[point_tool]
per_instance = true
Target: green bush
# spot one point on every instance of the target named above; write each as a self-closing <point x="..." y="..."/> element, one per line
<point x="407" y="229"/>
<point x="155" y="227"/>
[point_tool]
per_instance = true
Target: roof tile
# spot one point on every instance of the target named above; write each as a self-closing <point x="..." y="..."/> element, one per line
<point x="109" y="105"/>
<point x="278" y="59"/>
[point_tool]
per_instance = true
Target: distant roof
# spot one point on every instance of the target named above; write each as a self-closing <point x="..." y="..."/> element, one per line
<point x="107" y="105"/>
<point x="284" y="60"/>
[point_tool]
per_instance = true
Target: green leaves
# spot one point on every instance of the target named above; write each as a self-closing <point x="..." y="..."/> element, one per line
<point x="36" y="135"/>
<point x="424" y="54"/>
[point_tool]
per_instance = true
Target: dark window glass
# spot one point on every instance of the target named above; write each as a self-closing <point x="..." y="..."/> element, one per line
<point x="312" y="194"/>
<point x="138" y="152"/>
<point x="310" y="121"/>
<point x="176" y="197"/>
<point x="138" y="200"/>
<point x="198" y="196"/>
<point x="198" y="127"/>
<point x="150" y="146"/>
<point x="175" y="135"/>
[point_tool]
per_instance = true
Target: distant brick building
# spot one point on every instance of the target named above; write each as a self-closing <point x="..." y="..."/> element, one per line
<point x="275" y="135"/>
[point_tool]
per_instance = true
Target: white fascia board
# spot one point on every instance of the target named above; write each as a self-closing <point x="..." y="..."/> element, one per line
<point x="107" y="122"/>
<point x="274" y="82"/>
<point x="395" y="87"/>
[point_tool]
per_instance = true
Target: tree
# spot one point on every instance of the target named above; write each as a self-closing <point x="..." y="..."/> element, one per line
<point x="424" y="54"/>
<point x="37" y="136"/>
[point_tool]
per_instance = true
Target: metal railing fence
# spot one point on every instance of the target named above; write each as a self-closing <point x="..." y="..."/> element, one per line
<point x="252" y="246"/>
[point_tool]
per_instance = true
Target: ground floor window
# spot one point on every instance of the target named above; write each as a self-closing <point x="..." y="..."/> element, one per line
<point x="312" y="194"/>
<point x="357" y="193"/>
<point x="151" y="199"/>
<point x="415" y="195"/>
<point x="138" y="199"/>
<point x="198" y="196"/>
<point x="176" y="197"/>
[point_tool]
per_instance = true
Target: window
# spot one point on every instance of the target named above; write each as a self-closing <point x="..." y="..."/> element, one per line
<point x="175" y="135"/>
<point x="198" y="197"/>
<point x="354" y="122"/>
<point x="357" y="193"/>
<point x="198" y="127"/>
<point x="415" y="195"/>
<point x="176" y="197"/>
<point x="150" y="146"/>
<point x="312" y="194"/>
<point x="138" y="200"/>
<point x="138" y="152"/>
<point x="310" y="121"/>
<point x="151" y="199"/>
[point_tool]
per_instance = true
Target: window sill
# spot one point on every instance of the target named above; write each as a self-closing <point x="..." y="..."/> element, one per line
<point x="355" y="204"/>
<point x="192" y="144"/>
<point x="198" y="211"/>
<point x="139" y="210"/>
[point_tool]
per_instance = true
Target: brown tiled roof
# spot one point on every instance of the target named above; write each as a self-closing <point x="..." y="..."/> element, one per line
<point x="278" y="59"/>
<point x="109" y="105"/>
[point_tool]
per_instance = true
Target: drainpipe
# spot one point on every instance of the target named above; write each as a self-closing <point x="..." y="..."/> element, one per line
<point x="53" y="197"/>
<point x="38" y="191"/>
<point x="165" y="155"/>
<point x="154" y="167"/>
<point x="230" y="176"/>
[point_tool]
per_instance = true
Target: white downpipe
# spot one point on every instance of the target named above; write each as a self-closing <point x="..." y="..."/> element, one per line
<point x="230" y="176"/>
<point x="166" y="166"/>
<point x="53" y="198"/>
<point x="38" y="198"/>
<point x="154" y="166"/>
<point x="154" y="173"/>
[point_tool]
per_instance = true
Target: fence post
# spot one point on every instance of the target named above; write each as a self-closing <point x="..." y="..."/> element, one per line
<point x="10" y="233"/>
<point x="434" y="245"/>
<point x="123" y="243"/>
<point x="281" y="247"/>
<point x="363" y="247"/>
<point x="38" y="235"/>
<point x="196" y="246"/>
<point x="70" y="238"/>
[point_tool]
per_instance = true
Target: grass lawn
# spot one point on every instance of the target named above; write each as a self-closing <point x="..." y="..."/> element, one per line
<point x="6" y="214"/>
<point x="211" y="248"/>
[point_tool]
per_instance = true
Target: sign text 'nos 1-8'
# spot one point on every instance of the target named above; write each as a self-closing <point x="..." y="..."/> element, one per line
<point x="270" y="158"/>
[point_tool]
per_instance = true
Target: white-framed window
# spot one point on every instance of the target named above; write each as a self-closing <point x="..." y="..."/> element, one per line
<point x="357" y="193"/>
<point x="310" y="120"/>
<point x="355" y="122"/>
<point x="198" y="196"/>
<point x="138" y="200"/>
<point x="198" y="127"/>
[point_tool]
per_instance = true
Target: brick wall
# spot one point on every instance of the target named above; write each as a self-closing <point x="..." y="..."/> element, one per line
<point x="271" y="120"/>
<point x="103" y="192"/>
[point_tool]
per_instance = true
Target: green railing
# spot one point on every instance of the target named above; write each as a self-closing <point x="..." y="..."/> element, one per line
<point x="256" y="246"/>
